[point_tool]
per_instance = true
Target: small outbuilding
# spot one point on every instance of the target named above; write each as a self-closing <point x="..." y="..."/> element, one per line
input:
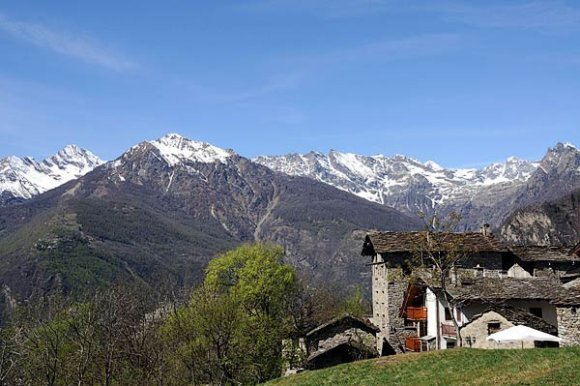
<point x="340" y="340"/>
<point x="499" y="318"/>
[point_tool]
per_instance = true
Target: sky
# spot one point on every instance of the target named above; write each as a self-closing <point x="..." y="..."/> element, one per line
<point x="463" y="83"/>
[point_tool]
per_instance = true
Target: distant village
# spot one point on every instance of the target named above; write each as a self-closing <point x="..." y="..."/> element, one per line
<point x="487" y="288"/>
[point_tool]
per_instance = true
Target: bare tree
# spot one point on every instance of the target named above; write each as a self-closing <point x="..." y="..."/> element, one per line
<point x="82" y="333"/>
<point x="441" y="249"/>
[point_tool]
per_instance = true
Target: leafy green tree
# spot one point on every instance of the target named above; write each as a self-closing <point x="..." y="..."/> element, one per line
<point x="355" y="304"/>
<point x="232" y="330"/>
<point x="258" y="275"/>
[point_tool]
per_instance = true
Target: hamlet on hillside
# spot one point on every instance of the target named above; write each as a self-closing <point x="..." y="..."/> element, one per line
<point x="490" y="287"/>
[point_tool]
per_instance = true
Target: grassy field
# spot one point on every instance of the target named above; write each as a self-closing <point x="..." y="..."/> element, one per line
<point x="453" y="367"/>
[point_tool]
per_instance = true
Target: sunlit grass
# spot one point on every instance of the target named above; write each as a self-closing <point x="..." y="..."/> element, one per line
<point x="454" y="367"/>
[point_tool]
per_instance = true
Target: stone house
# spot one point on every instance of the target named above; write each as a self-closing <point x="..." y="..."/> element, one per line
<point x="340" y="340"/>
<point x="431" y="324"/>
<point x="496" y="318"/>
<point x="413" y="315"/>
<point x="544" y="261"/>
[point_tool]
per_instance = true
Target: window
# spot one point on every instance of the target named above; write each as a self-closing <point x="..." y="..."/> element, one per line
<point x="536" y="311"/>
<point x="573" y="310"/>
<point x="493" y="327"/>
<point x="447" y="314"/>
<point x="422" y="328"/>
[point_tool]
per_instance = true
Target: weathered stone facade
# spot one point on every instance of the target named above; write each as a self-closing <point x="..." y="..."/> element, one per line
<point x="475" y="333"/>
<point x="380" y="307"/>
<point x="388" y="288"/>
<point x="569" y="325"/>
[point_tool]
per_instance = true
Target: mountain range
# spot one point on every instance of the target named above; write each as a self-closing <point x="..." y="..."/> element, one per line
<point x="486" y="195"/>
<point x="160" y="211"/>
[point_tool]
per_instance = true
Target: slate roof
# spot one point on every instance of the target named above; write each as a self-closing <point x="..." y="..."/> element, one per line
<point x="391" y="242"/>
<point x="494" y="290"/>
<point x="568" y="297"/>
<point x="520" y="317"/>
<point x="363" y="324"/>
<point x="540" y="253"/>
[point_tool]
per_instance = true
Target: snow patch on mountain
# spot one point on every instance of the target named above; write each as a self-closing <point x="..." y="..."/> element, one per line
<point x="176" y="149"/>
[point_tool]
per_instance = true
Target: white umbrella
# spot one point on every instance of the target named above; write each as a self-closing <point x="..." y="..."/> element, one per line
<point x="522" y="333"/>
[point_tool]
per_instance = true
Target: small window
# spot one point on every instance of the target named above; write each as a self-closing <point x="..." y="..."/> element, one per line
<point x="573" y="310"/>
<point x="536" y="311"/>
<point x="493" y="327"/>
<point x="422" y="328"/>
<point x="447" y="314"/>
<point x="458" y="315"/>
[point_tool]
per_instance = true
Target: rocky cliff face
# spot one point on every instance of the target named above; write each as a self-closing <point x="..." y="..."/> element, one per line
<point x="553" y="222"/>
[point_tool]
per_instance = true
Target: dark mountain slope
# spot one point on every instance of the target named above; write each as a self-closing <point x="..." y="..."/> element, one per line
<point x="159" y="212"/>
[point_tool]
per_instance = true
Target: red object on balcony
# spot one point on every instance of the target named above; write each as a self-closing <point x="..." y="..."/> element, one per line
<point x="413" y="343"/>
<point x="417" y="313"/>
<point x="448" y="330"/>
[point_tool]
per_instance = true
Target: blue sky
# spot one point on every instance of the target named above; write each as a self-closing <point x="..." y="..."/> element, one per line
<point x="463" y="83"/>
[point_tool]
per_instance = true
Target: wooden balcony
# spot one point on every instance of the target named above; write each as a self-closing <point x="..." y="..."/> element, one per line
<point x="413" y="343"/>
<point x="448" y="329"/>
<point x="417" y="313"/>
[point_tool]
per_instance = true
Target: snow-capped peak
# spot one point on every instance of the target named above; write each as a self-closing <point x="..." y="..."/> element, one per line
<point x="401" y="181"/>
<point x="25" y="177"/>
<point x="175" y="148"/>
<point x="570" y="145"/>
<point x="72" y="156"/>
<point x="434" y="166"/>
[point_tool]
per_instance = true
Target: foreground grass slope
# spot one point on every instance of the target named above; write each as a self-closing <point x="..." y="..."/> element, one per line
<point x="453" y="367"/>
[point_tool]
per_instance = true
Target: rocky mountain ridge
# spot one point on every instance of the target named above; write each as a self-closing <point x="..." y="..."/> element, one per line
<point x="485" y="195"/>
<point x="23" y="178"/>
<point x="479" y="195"/>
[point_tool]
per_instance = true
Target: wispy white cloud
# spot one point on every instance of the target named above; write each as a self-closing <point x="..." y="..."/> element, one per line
<point x="325" y="8"/>
<point x="501" y="14"/>
<point x="271" y="85"/>
<point x="65" y="43"/>
<point x="524" y="15"/>
<point x="382" y="51"/>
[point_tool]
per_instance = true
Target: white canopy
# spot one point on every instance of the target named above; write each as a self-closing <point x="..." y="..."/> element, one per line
<point x="521" y="333"/>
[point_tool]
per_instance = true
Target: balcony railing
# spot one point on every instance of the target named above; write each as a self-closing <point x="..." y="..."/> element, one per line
<point x="448" y="329"/>
<point x="417" y="313"/>
<point x="413" y="343"/>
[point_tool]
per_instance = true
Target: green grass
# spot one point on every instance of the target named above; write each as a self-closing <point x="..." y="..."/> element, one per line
<point x="453" y="367"/>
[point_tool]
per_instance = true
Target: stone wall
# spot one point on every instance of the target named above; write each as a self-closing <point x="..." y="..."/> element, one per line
<point x="388" y="290"/>
<point x="478" y="329"/>
<point x="397" y="287"/>
<point x="380" y="301"/>
<point x="518" y="272"/>
<point x="569" y="325"/>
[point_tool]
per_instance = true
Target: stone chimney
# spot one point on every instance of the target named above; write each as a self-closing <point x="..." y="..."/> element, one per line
<point x="486" y="230"/>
